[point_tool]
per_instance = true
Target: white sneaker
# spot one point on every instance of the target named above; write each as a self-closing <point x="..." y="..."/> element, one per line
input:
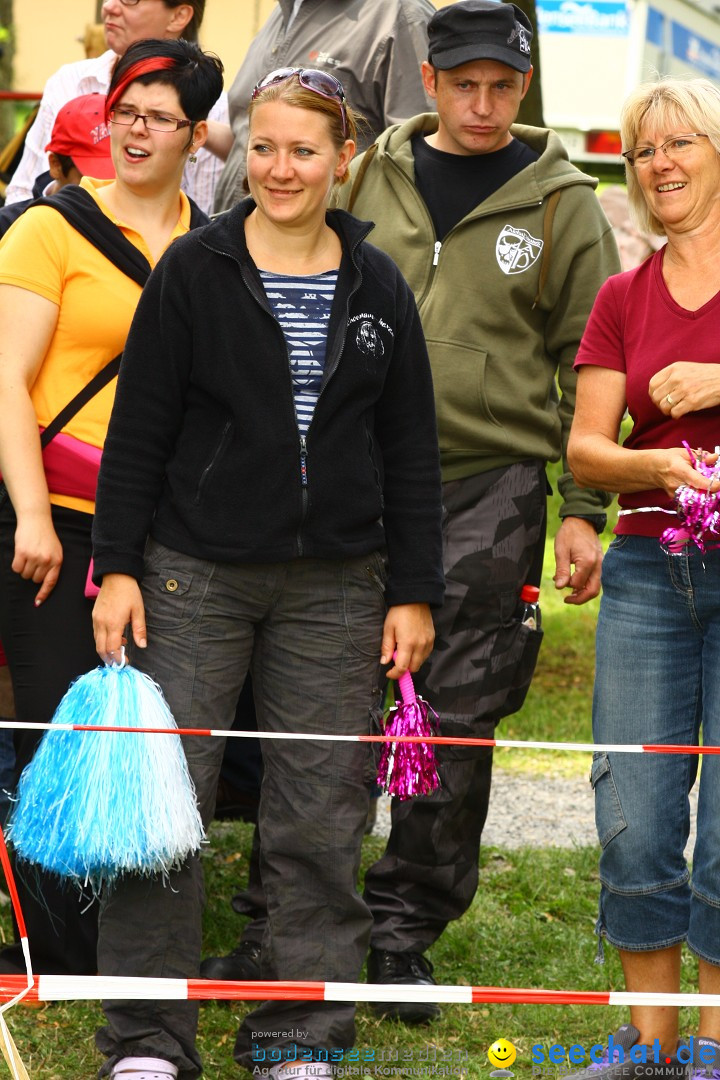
<point x="302" y="1070"/>
<point x="137" y="1068"/>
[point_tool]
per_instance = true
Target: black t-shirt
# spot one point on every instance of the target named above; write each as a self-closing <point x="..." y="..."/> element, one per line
<point x="454" y="184"/>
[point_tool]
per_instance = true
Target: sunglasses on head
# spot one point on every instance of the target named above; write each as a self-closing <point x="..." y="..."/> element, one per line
<point x="319" y="82"/>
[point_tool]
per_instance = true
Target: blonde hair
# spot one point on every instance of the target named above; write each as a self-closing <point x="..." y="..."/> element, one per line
<point x="683" y="103"/>
<point x="292" y="93"/>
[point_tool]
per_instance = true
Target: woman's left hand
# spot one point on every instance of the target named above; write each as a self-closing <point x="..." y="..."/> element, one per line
<point x="409" y="632"/>
<point x="685" y="387"/>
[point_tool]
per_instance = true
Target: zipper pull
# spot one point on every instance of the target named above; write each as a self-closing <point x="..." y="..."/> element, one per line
<point x="303" y="462"/>
<point x="436" y="256"/>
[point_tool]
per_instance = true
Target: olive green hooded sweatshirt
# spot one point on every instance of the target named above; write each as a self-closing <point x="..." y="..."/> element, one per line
<point x="503" y="300"/>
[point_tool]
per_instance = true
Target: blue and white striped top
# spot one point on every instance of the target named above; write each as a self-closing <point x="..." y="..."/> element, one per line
<point x="302" y="307"/>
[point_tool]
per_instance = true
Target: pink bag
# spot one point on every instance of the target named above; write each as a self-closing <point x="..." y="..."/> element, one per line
<point x="71" y="468"/>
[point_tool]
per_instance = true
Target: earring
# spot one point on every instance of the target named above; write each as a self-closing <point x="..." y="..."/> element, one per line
<point x="193" y="156"/>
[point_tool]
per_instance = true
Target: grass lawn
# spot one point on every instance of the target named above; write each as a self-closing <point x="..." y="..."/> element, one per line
<point x="531" y="924"/>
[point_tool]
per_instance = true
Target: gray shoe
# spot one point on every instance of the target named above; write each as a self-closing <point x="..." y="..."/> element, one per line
<point x="616" y="1065"/>
<point x="701" y="1068"/>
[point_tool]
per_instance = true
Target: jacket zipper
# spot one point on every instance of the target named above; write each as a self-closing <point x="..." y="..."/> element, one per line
<point x="335" y="360"/>
<point x="211" y="465"/>
<point x="437" y="245"/>
<point x="424" y="210"/>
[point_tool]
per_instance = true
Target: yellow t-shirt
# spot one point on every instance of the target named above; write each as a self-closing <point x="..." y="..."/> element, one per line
<point x="44" y="254"/>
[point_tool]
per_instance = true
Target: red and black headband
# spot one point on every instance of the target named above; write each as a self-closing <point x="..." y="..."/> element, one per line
<point x="134" y="71"/>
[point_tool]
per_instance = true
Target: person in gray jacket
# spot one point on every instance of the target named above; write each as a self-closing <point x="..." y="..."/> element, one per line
<point x="374" y="47"/>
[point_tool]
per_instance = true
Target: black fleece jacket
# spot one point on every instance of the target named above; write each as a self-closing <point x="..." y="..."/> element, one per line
<point x="203" y="450"/>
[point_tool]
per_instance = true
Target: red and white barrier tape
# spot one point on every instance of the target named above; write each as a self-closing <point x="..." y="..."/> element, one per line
<point x="434" y="740"/>
<point x="99" y="987"/>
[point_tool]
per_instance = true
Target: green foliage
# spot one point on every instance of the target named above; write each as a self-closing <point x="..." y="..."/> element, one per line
<point x="531" y="925"/>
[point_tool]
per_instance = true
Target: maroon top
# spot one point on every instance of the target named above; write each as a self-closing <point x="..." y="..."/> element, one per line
<point x="636" y="327"/>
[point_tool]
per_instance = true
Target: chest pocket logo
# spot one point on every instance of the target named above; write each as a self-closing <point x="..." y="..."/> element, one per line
<point x="516" y="250"/>
<point x="368" y="340"/>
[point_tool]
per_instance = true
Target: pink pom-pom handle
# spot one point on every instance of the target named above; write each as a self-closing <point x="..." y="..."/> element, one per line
<point x="407" y="689"/>
<point x="409" y="769"/>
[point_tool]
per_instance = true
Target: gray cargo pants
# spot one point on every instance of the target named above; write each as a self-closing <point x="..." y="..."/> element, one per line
<point x="311" y="631"/>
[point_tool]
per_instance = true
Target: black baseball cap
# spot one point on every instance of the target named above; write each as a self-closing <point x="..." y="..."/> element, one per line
<point x="479" y="30"/>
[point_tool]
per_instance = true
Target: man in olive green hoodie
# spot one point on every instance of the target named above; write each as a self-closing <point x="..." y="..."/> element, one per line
<point x="505" y="246"/>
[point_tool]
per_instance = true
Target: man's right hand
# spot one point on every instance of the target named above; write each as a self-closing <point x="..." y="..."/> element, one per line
<point x="119" y="603"/>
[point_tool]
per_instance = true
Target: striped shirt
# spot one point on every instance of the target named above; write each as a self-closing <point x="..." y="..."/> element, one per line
<point x="302" y="307"/>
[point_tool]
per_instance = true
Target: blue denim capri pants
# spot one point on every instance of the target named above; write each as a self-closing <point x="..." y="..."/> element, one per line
<point x="658" y="681"/>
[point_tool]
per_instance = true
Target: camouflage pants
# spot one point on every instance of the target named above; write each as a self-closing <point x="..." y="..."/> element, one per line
<point x="494" y="534"/>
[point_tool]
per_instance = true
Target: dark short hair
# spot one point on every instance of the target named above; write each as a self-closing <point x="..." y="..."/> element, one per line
<point x="192" y="30"/>
<point x="196" y="75"/>
<point x="66" y="164"/>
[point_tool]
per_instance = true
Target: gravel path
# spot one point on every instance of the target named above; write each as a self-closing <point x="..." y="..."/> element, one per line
<point x="538" y="811"/>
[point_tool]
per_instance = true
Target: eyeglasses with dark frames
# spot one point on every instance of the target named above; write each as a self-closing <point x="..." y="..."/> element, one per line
<point x="319" y="82"/>
<point x="152" y="121"/>
<point x="672" y="148"/>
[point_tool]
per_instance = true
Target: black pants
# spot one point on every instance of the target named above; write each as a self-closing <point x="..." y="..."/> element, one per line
<point x="46" y="648"/>
<point x="493" y="542"/>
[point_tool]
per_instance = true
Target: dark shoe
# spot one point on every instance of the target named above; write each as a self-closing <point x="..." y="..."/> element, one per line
<point x="402" y="968"/>
<point x="241" y="965"/>
<point x="616" y="1065"/>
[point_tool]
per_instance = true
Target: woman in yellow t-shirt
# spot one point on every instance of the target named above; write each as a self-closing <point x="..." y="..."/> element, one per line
<point x="70" y="279"/>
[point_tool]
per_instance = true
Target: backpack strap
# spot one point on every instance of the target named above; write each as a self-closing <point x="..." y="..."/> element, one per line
<point x="98" y="381"/>
<point x="81" y="211"/>
<point x="360" y="175"/>
<point x="550" y="208"/>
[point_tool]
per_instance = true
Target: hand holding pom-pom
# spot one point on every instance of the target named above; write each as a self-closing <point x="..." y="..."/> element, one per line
<point x="698" y="510"/>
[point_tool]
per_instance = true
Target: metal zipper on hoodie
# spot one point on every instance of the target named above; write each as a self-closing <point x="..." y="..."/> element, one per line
<point x="437" y="246"/>
<point x="331" y="371"/>
<point x="423" y="208"/>
<point x="326" y="380"/>
<point x="258" y="298"/>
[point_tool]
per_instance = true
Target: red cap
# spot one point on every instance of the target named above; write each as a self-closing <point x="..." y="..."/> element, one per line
<point x="81" y="132"/>
<point x="530" y="594"/>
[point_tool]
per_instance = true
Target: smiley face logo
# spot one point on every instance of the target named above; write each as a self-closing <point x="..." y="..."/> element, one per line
<point x="502" y="1054"/>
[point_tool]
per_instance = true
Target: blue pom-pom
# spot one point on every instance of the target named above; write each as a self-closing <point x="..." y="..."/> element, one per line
<point x="94" y="805"/>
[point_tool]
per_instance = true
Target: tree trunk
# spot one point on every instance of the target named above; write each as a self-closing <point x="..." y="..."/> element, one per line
<point x="531" y="110"/>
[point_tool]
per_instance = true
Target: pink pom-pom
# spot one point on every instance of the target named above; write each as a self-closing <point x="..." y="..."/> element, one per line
<point x="409" y="769"/>
<point x="698" y="511"/>
<point x="699" y="514"/>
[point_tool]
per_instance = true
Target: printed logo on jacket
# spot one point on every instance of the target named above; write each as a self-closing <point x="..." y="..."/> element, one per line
<point x="517" y="250"/>
<point x="367" y="334"/>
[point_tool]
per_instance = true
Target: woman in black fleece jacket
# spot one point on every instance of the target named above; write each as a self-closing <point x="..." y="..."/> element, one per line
<point x="270" y="498"/>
